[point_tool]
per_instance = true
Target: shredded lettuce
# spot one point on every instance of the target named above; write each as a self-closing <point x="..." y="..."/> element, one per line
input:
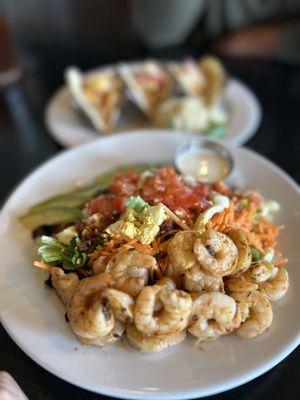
<point x="137" y="203"/>
<point x="68" y="255"/>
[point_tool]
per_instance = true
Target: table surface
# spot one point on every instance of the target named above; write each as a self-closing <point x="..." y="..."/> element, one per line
<point x="25" y="143"/>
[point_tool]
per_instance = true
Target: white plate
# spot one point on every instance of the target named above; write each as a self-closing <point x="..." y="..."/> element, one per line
<point x="70" y="128"/>
<point x="34" y="317"/>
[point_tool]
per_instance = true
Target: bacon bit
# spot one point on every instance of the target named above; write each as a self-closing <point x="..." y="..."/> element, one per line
<point x="163" y="246"/>
<point x="159" y="273"/>
<point x="174" y="217"/>
<point x="42" y="265"/>
<point x="163" y="264"/>
<point x="84" y="272"/>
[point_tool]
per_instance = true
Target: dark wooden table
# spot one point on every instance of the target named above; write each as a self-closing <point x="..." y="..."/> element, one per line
<point x="24" y="144"/>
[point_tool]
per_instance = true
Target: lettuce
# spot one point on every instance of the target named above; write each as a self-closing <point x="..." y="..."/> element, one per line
<point x="137" y="203"/>
<point x="256" y="254"/>
<point x="68" y="255"/>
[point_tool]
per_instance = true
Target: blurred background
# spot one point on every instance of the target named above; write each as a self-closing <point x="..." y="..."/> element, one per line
<point x="258" y="41"/>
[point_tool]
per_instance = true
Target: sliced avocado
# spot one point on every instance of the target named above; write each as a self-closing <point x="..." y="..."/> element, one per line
<point x="50" y="216"/>
<point x="67" y="207"/>
<point x="78" y="197"/>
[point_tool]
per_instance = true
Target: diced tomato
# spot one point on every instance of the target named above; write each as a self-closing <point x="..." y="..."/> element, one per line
<point x="106" y="205"/>
<point x="164" y="186"/>
<point x="202" y="189"/>
<point x="125" y="184"/>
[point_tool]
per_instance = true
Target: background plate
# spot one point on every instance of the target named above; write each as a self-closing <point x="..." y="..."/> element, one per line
<point x="70" y="128"/>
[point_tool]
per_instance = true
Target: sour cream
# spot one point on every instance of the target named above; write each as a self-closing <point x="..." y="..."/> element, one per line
<point x="205" y="162"/>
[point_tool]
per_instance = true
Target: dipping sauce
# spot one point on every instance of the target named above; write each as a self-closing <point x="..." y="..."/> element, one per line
<point x="203" y="165"/>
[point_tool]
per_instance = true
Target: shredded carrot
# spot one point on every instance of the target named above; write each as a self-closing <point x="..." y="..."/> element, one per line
<point x="42" y="265"/>
<point x="260" y="234"/>
<point x="155" y="246"/>
<point x="143" y="248"/>
<point x="280" y="262"/>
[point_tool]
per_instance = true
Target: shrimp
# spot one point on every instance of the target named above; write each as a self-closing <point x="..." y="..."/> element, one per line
<point x="110" y="338"/>
<point x="180" y="250"/>
<point x="262" y="271"/>
<point x="195" y="280"/>
<point x="159" y="310"/>
<point x="64" y="284"/>
<point x="212" y="315"/>
<point x="216" y="253"/>
<point x="243" y="300"/>
<point x="99" y="265"/>
<point x="238" y="236"/>
<point x="259" y="319"/>
<point x="158" y="342"/>
<point x="166" y="282"/>
<point x="88" y="312"/>
<point x="172" y="273"/>
<point x="120" y="303"/>
<point x="131" y="270"/>
<point x="276" y="287"/>
<point x="240" y="284"/>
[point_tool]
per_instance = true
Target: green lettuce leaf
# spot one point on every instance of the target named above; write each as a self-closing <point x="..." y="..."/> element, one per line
<point x="69" y="256"/>
<point x="256" y="254"/>
<point x="137" y="203"/>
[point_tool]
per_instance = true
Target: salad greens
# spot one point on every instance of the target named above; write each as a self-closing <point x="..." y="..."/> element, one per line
<point x="256" y="254"/>
<point x="53" y="251"/>
<point x="137" y="203"/>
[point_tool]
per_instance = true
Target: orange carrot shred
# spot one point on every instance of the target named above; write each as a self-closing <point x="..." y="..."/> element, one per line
<point x="42" y="265"/>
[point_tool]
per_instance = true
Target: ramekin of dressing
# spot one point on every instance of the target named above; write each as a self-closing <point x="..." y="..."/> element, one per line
<point x="203" y="160"/>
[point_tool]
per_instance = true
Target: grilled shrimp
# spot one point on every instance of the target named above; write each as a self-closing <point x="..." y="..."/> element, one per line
<point x="176" y="276"/>
<point x="64" y="284"/>
<point x="262" y="271"/>
<point x="276" y="287"/>
<point x="120" y="303"/>
<point x="153" y="343"/>
<point x="238" y="236"/>
<point x="99" y="265"/>
<point x="195" y="280"/>
<point x="166" y="282"/>
<point x="180" y="250"/>
<point x="259" y="319"/>
<point x="159" y="310"/>
<point x="110" y="338"/>
<point x="131" y="271"/>
<point x="243" y="300"/>
<point x="240" y="284"/>
<point x="212" y="315"/>
<point x="88" y="312"/>
<point x="216" y="253"/>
